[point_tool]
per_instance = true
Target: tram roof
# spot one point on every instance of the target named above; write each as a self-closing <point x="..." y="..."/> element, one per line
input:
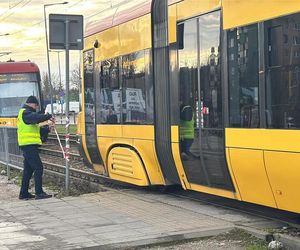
<point x="18" y="67"/>
<point x="120" y="14"/>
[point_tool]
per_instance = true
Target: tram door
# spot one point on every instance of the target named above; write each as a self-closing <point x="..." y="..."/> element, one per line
<point x="89" y="107"/>
<point x="201" y="116"/>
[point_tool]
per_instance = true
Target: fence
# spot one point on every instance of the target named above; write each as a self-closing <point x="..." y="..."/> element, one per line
<point x="10" y="154"/>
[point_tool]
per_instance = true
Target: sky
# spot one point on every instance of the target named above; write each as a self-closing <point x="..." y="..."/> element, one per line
<point x="23" y="21"/>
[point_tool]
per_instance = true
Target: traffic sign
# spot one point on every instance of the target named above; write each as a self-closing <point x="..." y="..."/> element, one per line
<point x="57" y="31"/>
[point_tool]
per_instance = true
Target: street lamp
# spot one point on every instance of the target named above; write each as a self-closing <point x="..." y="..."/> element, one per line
<point x="59" y="72"/>
<point x="58" y="59"/>
<point x="6" y="34"/>
<point x="48" y="60"/>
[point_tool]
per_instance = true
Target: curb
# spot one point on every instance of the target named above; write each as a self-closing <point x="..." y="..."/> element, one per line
<point x="163" y="239"/>
<point x="288" y="241"/>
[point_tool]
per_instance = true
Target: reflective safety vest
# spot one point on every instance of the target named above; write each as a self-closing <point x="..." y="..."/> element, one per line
<point x="186" y="129"/>
<point x="28" y="134"/>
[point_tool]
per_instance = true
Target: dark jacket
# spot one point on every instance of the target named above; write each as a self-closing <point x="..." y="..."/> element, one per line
<point x="30" y="116"/>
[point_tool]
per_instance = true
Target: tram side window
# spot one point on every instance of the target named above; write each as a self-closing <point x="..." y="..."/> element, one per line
<point x="188" y="70"/>
<point x="283" y="72"/>
<point x="89" y="97"/>
<point x="243" y="77"/>
<point x="137" y="97"/>
<point x="110" y="96"/>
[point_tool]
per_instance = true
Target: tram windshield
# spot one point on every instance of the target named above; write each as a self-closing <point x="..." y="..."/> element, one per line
<point x="14" y="90"/>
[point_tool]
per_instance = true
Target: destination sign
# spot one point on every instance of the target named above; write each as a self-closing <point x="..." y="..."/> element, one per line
<point x="21" y="77"/>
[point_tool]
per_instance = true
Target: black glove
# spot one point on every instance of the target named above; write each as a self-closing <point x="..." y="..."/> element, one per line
<point x="44" y="131"/>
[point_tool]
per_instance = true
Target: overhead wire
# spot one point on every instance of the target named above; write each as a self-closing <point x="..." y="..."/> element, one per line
<point x="10" y="8"/>
<point x="2" y="19"/>
<point x="71" y="6"/>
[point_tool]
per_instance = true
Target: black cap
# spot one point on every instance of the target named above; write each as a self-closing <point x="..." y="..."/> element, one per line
<point x="32" y="99"/>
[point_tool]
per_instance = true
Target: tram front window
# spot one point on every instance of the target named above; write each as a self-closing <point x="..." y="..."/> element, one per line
<point x="13" y="95"/>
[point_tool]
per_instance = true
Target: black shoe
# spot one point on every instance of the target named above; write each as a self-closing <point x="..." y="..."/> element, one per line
<point x="42" y="196"/>
<point x="26" y="197"/>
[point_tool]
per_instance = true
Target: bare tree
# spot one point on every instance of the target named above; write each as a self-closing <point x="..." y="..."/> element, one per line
<point x="75" y="77"/>
<point x="46" y="87"/>
<point x="75" y="83"/>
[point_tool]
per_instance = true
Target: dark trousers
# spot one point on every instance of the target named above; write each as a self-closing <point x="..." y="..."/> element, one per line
<point x="32" y="164"/>
<point x="185" y="145"/>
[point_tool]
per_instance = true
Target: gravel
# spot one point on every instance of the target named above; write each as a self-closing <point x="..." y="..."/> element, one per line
<point x="234" y="240"/>
<point x="8" y="190"/>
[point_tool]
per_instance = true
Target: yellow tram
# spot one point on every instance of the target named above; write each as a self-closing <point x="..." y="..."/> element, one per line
<point x="200" y="93"/>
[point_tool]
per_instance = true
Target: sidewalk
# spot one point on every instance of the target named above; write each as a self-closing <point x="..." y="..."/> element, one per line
<point x="111" y="219"/>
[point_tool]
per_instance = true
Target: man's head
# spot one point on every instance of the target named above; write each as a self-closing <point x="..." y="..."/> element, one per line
<point x="32" y="102"/>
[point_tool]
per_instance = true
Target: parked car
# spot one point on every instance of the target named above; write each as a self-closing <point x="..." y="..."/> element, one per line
<point x="73" y="107"/>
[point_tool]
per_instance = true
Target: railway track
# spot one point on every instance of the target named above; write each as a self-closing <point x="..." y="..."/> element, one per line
<point x="58" y="153"/>
<point x="55" y="166"/>
<point x="54" y="163"/>
<point x="52" y="138"/>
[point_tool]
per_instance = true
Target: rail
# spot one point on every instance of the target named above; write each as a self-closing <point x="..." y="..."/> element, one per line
<point x="11" y="157"/>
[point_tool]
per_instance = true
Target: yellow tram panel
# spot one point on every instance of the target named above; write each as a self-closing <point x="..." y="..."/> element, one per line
<point x="143" y="142"/>
<point x="172" y="24"/>
<point x="8" y="122"/>
<point x="175" y="134"/>
<point x="240" y="12"/>
<point x="145" y="132"/>
<point x="178" y="163"/>
<point x="141" y="138"/>
<point x="146" y="150"/>
<point x="266" y="155"/>
<point x="213" y="191"/>
<point x="249" y="170"/>
<point x="110" y="130"/>
<point x="284" y="173"/>
<point x="145" y="32"/>
<point x="130" y="38"/>
<point x="266" y="139"/>
<point x="282" y="140"/>
<point x="109" y="44"/>
<point x="125" y="165"/>
<point x="80" y="123"/>
<point x="135" y="35"/>
<point x="244" y="138"/>
<point x="231" y="173"/>
<point x="104" y="147"/>
<point x="189" y="8"/>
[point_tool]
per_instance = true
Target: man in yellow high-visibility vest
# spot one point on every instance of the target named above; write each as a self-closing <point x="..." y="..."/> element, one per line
<point x="186" y="131"/>
<point x="29" y="139"/>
